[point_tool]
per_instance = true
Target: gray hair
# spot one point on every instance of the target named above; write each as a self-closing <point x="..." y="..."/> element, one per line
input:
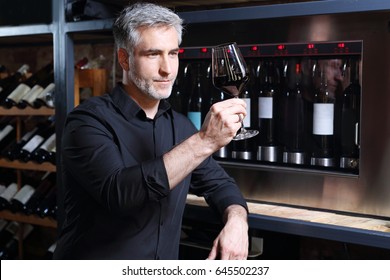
<point x="133" y="17"/>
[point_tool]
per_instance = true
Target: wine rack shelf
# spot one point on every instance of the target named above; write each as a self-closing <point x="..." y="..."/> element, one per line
<point x="28" y="219"/>
<point x="28" y="111"/>
<point x="45" y="166"/>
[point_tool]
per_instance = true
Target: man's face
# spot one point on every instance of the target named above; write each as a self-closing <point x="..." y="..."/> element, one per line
<point x="155" y="62"/>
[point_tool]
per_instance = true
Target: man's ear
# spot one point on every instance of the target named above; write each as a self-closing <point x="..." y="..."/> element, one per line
<point x="123" y="59"/>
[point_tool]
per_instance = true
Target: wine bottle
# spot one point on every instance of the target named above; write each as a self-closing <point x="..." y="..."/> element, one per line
<point x="7" y="135"/>
<point x="296" y="109"/>
<point x="176" y="98"/>
<point x="50" y="251"/>
<point x="19" y="200"/>
<point x="350" y="119"/>
<point x="17" y="232"/>
<point x="7" y="85"/>
<point x="36" y="140"/>
<point x="29" y="98"/>
<point x="47" y="207"/>
<point x="226" y="151"/>
<point x="268" y="147"/>
<point x="195" y="102"/>
<point x="46" y="97"/>
<point x="4" y="234"/>
<point x="323" y="120"/>
<point x="13" y="150"/>
<point x="7" y="195"/>
<point x="2" y="187"/>
<point x="23" y="88"/>
<point x="44" y="152"/>
<point x="81" y="63"/>
<point x="243" y="149"/>
<point x="47" y="182"/>
<point x="7" y="231"/>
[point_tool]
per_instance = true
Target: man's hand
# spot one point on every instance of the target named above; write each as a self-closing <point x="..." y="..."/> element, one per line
<point x="232" y="241"/>
<point x="222" y="122"/>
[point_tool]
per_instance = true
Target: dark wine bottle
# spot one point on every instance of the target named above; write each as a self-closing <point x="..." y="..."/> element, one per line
<point x="350" y="119"/>
<point x="323" y="120"/>
<point x="19" y="200"/>
<point x="44" y="153"/>
<point x="27" y="151"/>
<point x="13" y="149"/>
<point x="29" y="98"/>
<point x="7" y="195"/>
<point x="7" y="85"/>
<point x="50" y="251"/>
<point x="23" y="88"/>
<point x="268" y="147"/>
<point x="295" y="110"/>
<point x="7" y="231"/>
<point x="176" y="98"/>
<point x="7" y="134"/>
<point x="44" y="186"/>
<point x="4" y="234"/>
<point x="243" y="149"/>
<point x="195" y="102"/>
<point x="48" y="206"/>
<point x="224" y="152"/>
<point x="81" y="63"/>
<point x="18" y="232"/>
<point x="46" y="97"/>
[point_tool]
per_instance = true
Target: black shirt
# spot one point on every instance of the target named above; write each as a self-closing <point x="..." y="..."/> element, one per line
<point x="117" y="199"/>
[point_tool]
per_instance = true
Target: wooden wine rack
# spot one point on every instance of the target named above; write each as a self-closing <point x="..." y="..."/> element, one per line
<point x="19" y="114"/>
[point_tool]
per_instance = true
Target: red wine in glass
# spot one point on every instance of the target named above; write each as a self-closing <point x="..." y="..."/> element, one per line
<point x="230" y="75"/>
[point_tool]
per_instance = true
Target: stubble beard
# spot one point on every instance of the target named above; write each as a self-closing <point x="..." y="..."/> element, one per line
<point x="147" y="87"/>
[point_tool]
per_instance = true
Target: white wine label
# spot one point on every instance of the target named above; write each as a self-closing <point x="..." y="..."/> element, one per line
<point x="2" y="189"/>
<point x="10" y="191"/>
<point x="24" y="194"/>
<point x="32" y="94"/>
<point x="6" y="130"/>
<point x="323" y="116"/>
<point x="247" y="120"/>
<point x="265" y="107"/>
<point x="19" y="92"/>
<point x="53" y="149"/>
<point x="195" y="117"/>
<point x="29" y="134"/>
<point x="33" y="143"/>
<point x="49" y="143"/>
<point x="48" y="89"/>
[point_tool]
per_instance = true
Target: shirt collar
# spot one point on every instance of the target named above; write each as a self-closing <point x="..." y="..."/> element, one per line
<point x="130" y="109"/>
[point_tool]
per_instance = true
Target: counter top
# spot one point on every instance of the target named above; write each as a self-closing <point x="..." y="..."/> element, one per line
<point x="367" y="231"/>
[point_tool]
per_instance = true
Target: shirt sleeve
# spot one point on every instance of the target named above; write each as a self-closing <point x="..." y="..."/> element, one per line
<point x="212" y="182"/>
<point x="94" y="162"/>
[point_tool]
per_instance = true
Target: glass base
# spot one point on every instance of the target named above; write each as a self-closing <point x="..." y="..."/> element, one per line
<point x="245" y="134"/>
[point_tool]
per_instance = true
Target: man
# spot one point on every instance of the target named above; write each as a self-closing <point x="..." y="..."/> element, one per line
<point x="129" y="160"/>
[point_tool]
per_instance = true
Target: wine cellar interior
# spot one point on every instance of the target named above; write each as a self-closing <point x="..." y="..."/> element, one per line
<point x="304" y="203"/>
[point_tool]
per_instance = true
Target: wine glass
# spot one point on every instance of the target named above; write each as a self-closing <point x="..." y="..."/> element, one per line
<point x="230" y="75"/>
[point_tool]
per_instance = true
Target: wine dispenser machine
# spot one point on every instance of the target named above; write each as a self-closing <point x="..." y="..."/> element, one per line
<point x="319" y="94"/>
